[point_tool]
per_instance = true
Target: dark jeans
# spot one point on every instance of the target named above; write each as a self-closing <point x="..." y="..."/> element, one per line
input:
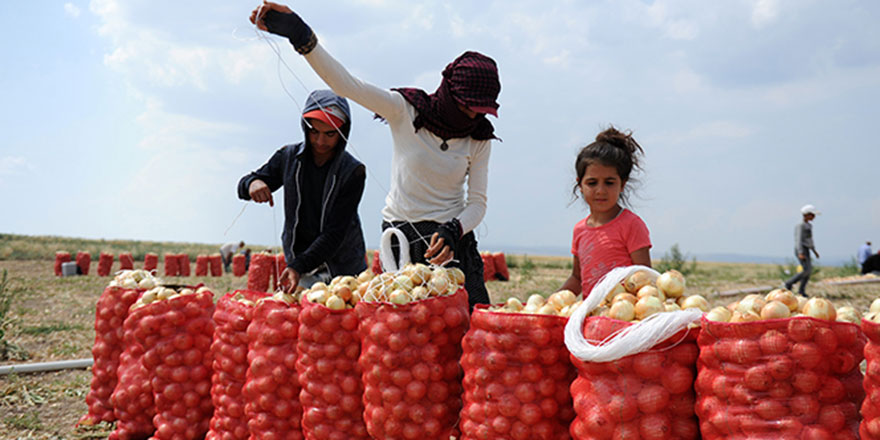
<point x="803" y="276"/>
<point x="467" y="257"/>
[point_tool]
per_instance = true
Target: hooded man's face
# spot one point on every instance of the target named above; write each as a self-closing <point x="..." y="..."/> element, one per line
<point x="323" y="139"/>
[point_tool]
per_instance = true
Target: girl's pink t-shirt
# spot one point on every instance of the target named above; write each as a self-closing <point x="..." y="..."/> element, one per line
<point x="602" y="248"/>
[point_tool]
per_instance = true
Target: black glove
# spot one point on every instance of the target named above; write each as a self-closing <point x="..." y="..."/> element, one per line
<point x="450" y="232"/>
<point x="294" y="28"/>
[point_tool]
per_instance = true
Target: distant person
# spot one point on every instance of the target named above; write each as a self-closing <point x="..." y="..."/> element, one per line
<point x="441" y="143"/>
<point x="864" y="252"/>
<point x="227" y="250"/>
<point x="871" y="264"/>
<point x="803" y="244"/>
<point x="611" y="235"/>
<point x="247" y="258"/>
<point x="323" y="185"/>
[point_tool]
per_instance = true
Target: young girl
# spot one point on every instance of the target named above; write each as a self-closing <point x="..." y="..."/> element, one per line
<point x="611" y="236"/>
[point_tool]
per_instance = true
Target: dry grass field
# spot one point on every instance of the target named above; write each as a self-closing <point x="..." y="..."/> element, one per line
<point x="52" y="318"/>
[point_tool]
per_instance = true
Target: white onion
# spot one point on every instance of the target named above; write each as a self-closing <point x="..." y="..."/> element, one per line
<point x="820" y="308"/>
<point x="784" y="296"/>
<point x="775" y="310"/>
<point x="536" y="300"/>
<point x="335" y="303"/>
<point x="637" y="280"/>
<point x="671" y="283"/>
<point x="622" y="310"/>
<point x="561" y="299"/>
<point x="753" y="302"/>
<point x="625" y="296"/>
<point x="694" y="302"/>
<point x="648" y="306"/>
<point x="514" y="304"/>
<point x="719" y="314"/>
<point x="399" y="296"/>
<point x="875" y="306"/>
<point x="650" y="290"/>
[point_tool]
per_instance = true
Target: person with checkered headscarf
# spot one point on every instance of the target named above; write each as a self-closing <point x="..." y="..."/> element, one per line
<point x="440" y="152"/>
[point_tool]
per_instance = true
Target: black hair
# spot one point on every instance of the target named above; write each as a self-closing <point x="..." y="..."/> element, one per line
<point x="612" y="148"/>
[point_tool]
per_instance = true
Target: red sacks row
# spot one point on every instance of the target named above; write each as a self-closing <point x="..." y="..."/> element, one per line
<point x="202" y="262"/>
<point x="84" y="262"/>
<point x="105" y="264"/>
<point x="260" y="272"/>
<point x="230" y="352"/>
<point x="216" y="265"/>
<point x="126" y="261"/>
<point x="495" y="266"/>
<point x="870" y="425"/>
<point x="328" y="349"/>
<point x="183" y="264"/>
<point x="60" y="258"/>
<point x="110" y="314"/>
<point x="517" y="376"/>
<point x="239" y="262"/>
<point x="132" y="399"/>
<point x="410" y="366"/>
<point x="151" y="262"/>
<point x="791" y="378"/>
<point x="172" y="266"/>
<point x="272" y="387"/>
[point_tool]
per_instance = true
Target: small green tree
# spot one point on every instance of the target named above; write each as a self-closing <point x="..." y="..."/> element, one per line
<point x="675" y="259"/>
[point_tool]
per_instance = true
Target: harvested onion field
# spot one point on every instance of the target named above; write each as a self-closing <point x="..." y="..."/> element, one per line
<point x="52" y="318"/>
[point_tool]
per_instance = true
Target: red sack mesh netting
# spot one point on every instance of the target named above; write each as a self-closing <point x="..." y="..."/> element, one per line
<point x="377" y="264"/>
<point x="517" y="376"/>
<point x="177" y="340"/>
<point x="151" y="262"/>
<point x="238" y="265"/>
<point x="260" y="272"/>
<point x="84" y="262"/>
<point x="105" y="264"/>
<point x="60" y="258"/>
<point x="501" y="270"/>
<point x="280" y="265"/>
<point x="216" y="263"/>
<point x="327" y="361"/>
<point x="172" y="266"/>
<point x="788" y="378"/>
<point x="126" y="261"/>
<point x="410" y="366"/>
<point x="230" y="351"/>
<point x="645" y="395"/>
<point x="272" y="389"/>
<point x="870" y="425"/>
<point x="202" y="265"/>
<point x="132" y="398"/>
<point x="183" y="264"/>
<point x="488" y="267"/>
<point x="110" y="313"/>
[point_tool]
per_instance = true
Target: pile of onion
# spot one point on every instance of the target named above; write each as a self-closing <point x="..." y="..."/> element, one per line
<point x="414" y="282"/>
<point x="561" y="303"/>
<point x="781" y="304"/>
<point x="640" y="296"/>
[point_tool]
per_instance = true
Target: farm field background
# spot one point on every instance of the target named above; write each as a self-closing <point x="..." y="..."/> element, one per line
<point x="52" y="318"/>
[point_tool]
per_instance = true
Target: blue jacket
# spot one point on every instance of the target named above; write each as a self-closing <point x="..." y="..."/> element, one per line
<point x="340" y="242"/>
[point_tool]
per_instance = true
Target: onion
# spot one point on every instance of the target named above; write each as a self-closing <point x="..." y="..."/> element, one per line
<point x="457" y="275"/>
<point x="873" y="317"/>
<point x="802" y="301"/>
<point x="513" y="304"/>
<point x="719" y="314"/>
<point x="320" y="285"/>
<point x="671" y="307"/>
<point x="399" y="296"/>
<point x="648" y="306"/>
<point x="618" y="289"/>
<point x="536" y="300"/>
<point x="775" y="310"/>
<point x="622" y="310"/>
<point x="694" y="302"/>
<point x="650" y="290"/>
<point x="402" y="282"/>
<point x="203" y="289"/>
<point x="875" y="306"/>
<point x="438" y="285"/>
<point x="530" y="308"/>
<point x="671" y="283"/>
<point x="420" y="292"/>
<point x="419" y="273"/>
<point x="820" y="308"/>
<point x="561" y="299"/>
<point x="335" y="303"/>
<point x="148" y="297"/>
<point x="343" y="291"/>
<point x="547" y="309"/>
<point x="784" y="296"/>
<point x="749" y="316"/>
<point x="753" y="302"/>
<point x="849" y="314"/>
<point x="365" y="276"/>
<point x="637" y="280"/>
<point x="625" y="296"/>
<point x="318" y="296"/>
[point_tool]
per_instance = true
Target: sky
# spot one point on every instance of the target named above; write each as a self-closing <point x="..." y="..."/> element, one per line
<point x="135" y="119"/>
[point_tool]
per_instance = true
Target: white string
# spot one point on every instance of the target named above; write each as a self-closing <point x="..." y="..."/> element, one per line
<point x="235" y="219"/>
<point x="636" y="338"/>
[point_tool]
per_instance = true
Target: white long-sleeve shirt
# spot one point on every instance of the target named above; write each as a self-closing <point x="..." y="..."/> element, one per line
<point x="427" y="183"/>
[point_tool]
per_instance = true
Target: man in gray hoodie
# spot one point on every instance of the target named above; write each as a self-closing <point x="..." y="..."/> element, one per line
<point x="803" y="244"/>
<point x="323" y="185"/>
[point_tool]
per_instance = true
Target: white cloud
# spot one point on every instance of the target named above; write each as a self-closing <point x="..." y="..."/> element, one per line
<point x="764" y="13"/>
<point x="11" y="165"/>
<point x="71" y="10"/>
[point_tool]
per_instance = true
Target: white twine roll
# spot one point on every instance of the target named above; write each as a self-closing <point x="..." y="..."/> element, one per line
<point x="636" y="338"/>
<point x="386" y="255"/>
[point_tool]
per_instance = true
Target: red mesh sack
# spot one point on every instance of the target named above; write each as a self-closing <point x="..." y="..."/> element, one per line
<point x="216" y="262"/>
<point x="230" y="350"/>
<point x="238" y="265"/>
<point x="172" y="266"/>
<point x="110" y="313"/>
<point x="327" y="361"/>
<point x="500" y="265"/>
<point x="272" y="389"/>
<point x="517" y="376"/>
<point x="126" y="261"/>
<point x="132" y="397"/>
<point x="105" y="264"/>
<point x="151" y="262"/>
<point x="488" y="267"/>
<point x="177" y="338"/>
<point x="377" y="264"/>
<point x="260" y="271"/>
<point x="183" y="264"/>
<point x="84" y="262"/>
<point x="870" y="425"/>
<point x="280" y="265"/>
<point x="780" y="378"/>
<point x="202" y="265"/>
<point x="60" y="258"/>
<point x="410" y="366"/>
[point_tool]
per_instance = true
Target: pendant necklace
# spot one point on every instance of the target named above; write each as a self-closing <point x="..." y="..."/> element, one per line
<point x="444" y="146"/>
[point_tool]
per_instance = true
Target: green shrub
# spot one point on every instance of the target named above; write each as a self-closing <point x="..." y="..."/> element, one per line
<point x="675" y="259"/>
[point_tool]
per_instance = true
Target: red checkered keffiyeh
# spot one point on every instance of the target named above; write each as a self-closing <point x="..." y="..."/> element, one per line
<point x="472" y="81"/>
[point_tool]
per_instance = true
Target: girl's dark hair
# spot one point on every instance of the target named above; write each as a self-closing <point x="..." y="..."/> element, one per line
<point x="612" y="148"/>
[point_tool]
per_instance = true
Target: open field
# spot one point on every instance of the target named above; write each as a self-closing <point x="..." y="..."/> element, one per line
<point x="52" y="318"/>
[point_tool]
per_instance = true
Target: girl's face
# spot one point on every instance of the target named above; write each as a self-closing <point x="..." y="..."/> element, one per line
<point x="601" y="187"/>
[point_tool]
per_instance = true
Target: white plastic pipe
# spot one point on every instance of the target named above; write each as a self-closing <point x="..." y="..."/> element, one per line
<point x="40" y="367"/>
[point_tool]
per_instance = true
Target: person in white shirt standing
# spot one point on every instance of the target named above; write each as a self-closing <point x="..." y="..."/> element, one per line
<point x="441" y="146"/>
<point x="228" y="250"/>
